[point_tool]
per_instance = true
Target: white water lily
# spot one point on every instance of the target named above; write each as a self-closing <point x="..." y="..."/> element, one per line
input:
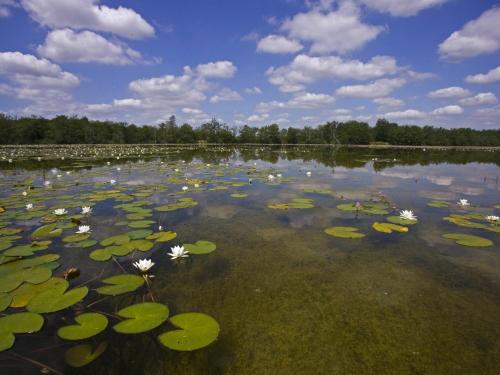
<point x="279" y="175"/>
<point x="178" y="252"/>
<point x="143" y="265"/>
<point x="83" y="229"/>
<point x="25" y="193"/>
<point x="196" y="186"/>
<point x="86" y="210"/>
<point x="407" y="215"/>
<point x="112" y="182"/>
<point x="463" y="202"/>
<point x="271" y="177"/>
<point x="308" y="173"/>
<point x="60" y="211"/>
<point x="118" y="169"/>
<point x="160" y="228"/>
<point x="47" y="183"/>
<point x="492" y="218"/>
<point x="29" y="206"/>
<point x="108" y="163"/>
<point x="185" y="188"/>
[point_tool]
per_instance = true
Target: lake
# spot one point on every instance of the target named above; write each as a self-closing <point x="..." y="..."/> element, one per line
<point x="298" y="260"/>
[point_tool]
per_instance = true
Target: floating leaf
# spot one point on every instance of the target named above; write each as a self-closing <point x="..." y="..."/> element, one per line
<point x="116" y="240"/>
<point x="438" y="204"/>
<point x="77" y="237"/>
<point x="141" y="224"/>
<point x="5" y="300"/>
<point x="297" y="203"/>
<point x="120" y="284"/>
<point x="49" y="230"/>
<point x="367" y="208"/>
<point x="82" y="355"/>
<point x="22" y="295"/>
<point x="200" y="247"/>
<point x="139" y="234"/>
<point x="100" y="255"/>
<point x="142" y="317"/>
<point x="56" y="299"/>
<point x="85" y="244"/>
<point x="162" y="236"/>
<point x="24" y="322"/>
<point x="468" y="240"/>
<point x="196" y="331"/>
<point x="344" y="232"/>
<point x="181" y="203"/>
<point x="401" y="221"/>
<point x="239" y="195"/>
<point x="388" y="227"/>
<point x="463" y="221"/>
<point x="89" y="325"/>
<point x="141" y="245"/>
<point x="34" y="275"/>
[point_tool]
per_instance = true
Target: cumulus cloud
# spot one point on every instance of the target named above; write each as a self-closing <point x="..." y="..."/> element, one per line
<point x="480" y="99"/>
<point x="258" y="117"/>
<point x="306" y="69"/>
<point x="218" y="69"/>
<point x="226" y="95"/>
<point x="278" y="44"/>
<point x="303" y="100"/>
<point x="375" y="89"/>
<point x="39" y="81"/>
<point x="409" y="114"/>
<point x="478" y="37"/>
<point x="5" y="7"/>
<point x="402" y="8"/>
<point x="448" y="110"/>
<point x="253" y="90"/>
<point x="89" y="14"/>
<point x="449" y="92"/>
<point x="66" y="45"/>
<point x="339" y="31"/>
<point x="388" y="102"/>
<point x="491" y="77"/>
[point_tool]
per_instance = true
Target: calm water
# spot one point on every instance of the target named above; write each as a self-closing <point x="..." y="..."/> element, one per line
<point x="289" y="298"/>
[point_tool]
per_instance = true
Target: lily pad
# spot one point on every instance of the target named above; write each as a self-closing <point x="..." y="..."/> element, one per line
<point x="24" y="322"/>
<point x="162" y="236"/>
<point x="22" y="295"/>
<point x="142" y="317"/>
<point x="196" y="331"/>
<point x="367" y="208"/>
<point x="120" y="284"/>
<point x="49" y="230"/>
<point x="116" y="240"/>
<point x="468" y="240"/>
<point x="82" y="355"/>
<point x="401" y="221"/>
<point x="438" y="204"/>
<point x="200" y="247"/>
<point x="344" y="232"/>
<point x="5" y="300"/>
<point x="141" y="224"/>
<point x="239" y="195"/>
<point x="139" y="234"/>
<point x="100" y="255"/>
<point x="34" y="275"/>
<point x="89" y="325"/>
<point x="388" y="227"/>
<point x="56" y="299"/>
<point x="77" y="237"/>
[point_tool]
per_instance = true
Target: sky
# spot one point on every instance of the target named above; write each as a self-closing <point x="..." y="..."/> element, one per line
<point x="292" y="62"/>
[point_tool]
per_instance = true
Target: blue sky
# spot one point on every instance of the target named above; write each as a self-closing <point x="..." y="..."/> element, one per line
<point x="294" y="62"/>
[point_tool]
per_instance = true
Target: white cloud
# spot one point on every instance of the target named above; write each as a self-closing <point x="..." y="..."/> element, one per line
<point x="129" y="102"/>
<point x="278" y="44"/>
<point x="402" y="8"/>
<point x="376" y="89"/>
<point x="192" y="111"/>
<point x="89" y="14"/>
<point x="388" y="102"/>
<point x="480" y="99"/>
<point x="226" y="95"/>
<point x="218" y="69"/>
<point x="306" y="69"/>
<point x="405" y="115"/>
<point x="449" y="92"/>
<point x="258" y="117"/>
<point x="39" y="81"/>
<point x="492" y="76"/>
<point x="309" y="100"/>
<point x="448" y="110"/>
<point x="66" y="45"/>
<point x="477" y="37"/>
<point x="5" y="7"/>
<point x="339" y="31"/>
<point x="253" y="90"/>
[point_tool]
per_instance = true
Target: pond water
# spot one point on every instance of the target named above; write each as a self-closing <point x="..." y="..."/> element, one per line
<point x="281" y="286"/>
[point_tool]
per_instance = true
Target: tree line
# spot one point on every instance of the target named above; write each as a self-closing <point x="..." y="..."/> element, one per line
<point x="73" y="130"/>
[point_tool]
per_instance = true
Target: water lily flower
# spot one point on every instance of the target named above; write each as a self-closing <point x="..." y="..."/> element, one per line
<point x="112" y="182"/>
<point x="178" y="252"/>
<point x="118" y="169"/>
<point x="39" y="158"/>
<point x="160" y="228"/>
<point x="25" y="193"/>
<point x="463" y="202"/>
<point x="308" y="173"/>
<point x="108" y="163"/>
<point x="47" y="183"/>
<point x="83" y="229"/>
<point x="86" y="210"/>
<point x="143" y="265"/>
<point x="279" y="175"/>
<point x="271" y="177"/>
<point x="196" y="186"/>
<point x="492" y="218"/>
<point x="29" y="206"/>
<point x="407" y="215"/>
<point x="60" y="211"/>
<point x="185" y="188"/>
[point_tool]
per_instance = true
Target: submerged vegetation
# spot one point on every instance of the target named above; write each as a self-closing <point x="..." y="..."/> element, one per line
<point x="74" y="130"/>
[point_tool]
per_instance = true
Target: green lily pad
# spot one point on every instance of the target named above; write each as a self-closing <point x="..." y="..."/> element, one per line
<point x="116" y="240"/>
<point x="5" y="300"/>
<point x="367" y="208"/>
<point x="200" y="247"/>
<point x="100" y="255"/>
<point x="22" y="295"/>
<point x="82" y="355"/>
<point x="24" y="322"/>
<point x="344" y="232"/>
<point x="388" y="227"/>
<point x="84" y="244"/>
<point x="141" y="245"/>
<point x="27" y="250"/>
<point x="468" y="240"/>
<point x="139" y="234"/>
<point x="56" y="299"/>
<point x="34" y="275"/>
<point x="49" y="230"/>
<point x="297" y="203"/>
<point x="142" y="317"/>
<point x="400" y="221"/>
<point x="162" y="236"/>
<point x="196" y="331"/>
<point x="181" y="203"/>
<point x="141" y="224"/>
<point x="77" y="237"/>
<point x="89" y="325"/>
<point x="438" y="204"/>
<point x="120" y="284"/>
<point x="239" y="195"/>
<point x="463" y="221"/>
